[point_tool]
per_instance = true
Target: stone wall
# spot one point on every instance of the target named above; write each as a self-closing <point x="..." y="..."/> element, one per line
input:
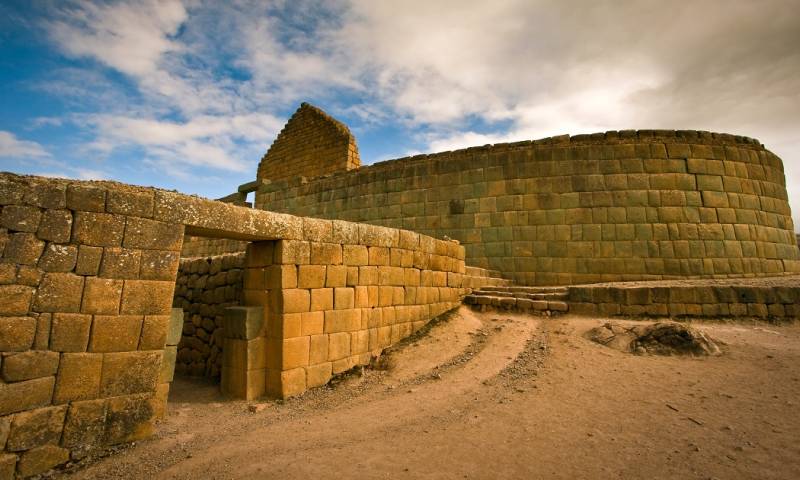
<point x="311" y="144"/>
<point x="629" y="205"/>
<point x="205" y="247"/>
<point x="88" y="333"/>
<point x="86" y="282"/>
<point x="770" y="299"/>
<point x="336" y="299"/>
<point x="204" y="289"/>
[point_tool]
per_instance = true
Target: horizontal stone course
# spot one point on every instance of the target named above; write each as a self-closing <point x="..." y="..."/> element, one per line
<point x="520" y="208"/>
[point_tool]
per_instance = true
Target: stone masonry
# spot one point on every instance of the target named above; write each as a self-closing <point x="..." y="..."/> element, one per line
<point x="311" y="144"/>
<point x="88" y="335"/>
<point x="614" y="206"/>
<point x="204" y="289"/>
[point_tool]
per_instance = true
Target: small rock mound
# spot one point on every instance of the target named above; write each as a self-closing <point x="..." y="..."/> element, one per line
<point x="663" y="338"/>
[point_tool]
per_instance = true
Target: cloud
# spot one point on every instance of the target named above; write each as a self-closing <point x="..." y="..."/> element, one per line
<point x="213" y="81"/>
<point x="13" y="148"/>
<point x="129" y="37"/>
<point x="206" y="141"/>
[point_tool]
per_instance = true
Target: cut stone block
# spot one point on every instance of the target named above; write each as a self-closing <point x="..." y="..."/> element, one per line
<point x="41" y="459"/>
<point x="84" y="430"/>
<point x="243" y="322"/>
<point x="29" y="365"/>
<point x="78" y="377"/>
<point x="130" y="372"/>
<point x="36" y="427"/>
<point x="70" y="332"/>
<point x="16" y="333"/>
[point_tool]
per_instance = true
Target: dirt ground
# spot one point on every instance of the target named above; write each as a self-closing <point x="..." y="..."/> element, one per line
<point x="498" y="395"/>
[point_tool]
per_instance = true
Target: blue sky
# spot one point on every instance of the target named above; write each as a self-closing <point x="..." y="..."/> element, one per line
<point x="189" y="95"/>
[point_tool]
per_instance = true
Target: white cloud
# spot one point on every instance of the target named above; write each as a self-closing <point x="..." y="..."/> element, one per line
<point x="129" y="37"/>
<point x="13" y="148"/>
<point x="212" y="76"/>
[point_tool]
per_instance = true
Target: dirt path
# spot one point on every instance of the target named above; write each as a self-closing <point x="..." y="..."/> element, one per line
<point x="502" y="396"/>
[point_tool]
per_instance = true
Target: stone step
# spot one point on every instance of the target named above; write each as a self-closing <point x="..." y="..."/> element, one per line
<point x="515" y="289"/>
<point x="513" y="303"/>
<point x="529" y="296"/>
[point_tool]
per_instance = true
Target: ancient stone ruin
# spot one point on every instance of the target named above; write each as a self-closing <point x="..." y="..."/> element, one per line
<point x="107" y="290"/>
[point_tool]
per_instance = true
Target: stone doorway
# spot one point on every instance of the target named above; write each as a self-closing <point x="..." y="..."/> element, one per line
<point x="210" y="279"/>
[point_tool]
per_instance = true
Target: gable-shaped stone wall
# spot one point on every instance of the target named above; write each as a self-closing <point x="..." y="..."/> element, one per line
<point x="87" y="277"/>
<point x="311" y="144"/>
<point x="630" y="205"/>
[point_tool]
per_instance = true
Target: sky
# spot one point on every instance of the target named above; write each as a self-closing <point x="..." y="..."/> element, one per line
<point x="188" y="95"/>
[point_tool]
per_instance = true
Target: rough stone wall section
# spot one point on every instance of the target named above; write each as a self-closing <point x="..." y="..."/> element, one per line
<point x="206" y="247"/>
<point x="614" y="206"/>
<point x="768" y="299"/>
<point x="204" y="289"/>
<point x="310" y="145"/>
<point x="86" y="281"/>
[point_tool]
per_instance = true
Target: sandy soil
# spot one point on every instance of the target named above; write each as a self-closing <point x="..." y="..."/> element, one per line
<point x="502" y="396"/>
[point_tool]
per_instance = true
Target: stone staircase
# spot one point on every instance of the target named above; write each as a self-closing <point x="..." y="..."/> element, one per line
<point x="475" y="278"/>
<point x="537" y="300"/>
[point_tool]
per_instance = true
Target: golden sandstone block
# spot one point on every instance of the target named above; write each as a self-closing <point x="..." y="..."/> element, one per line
<point x="318" y="375"/>
<point x="78" y="377"/>
<point x="311" y="276"/>
<point x="101" y="296"/>
<point x="321" y="299"/>
<point x="20" y="396"/>
<point x="29" y="365"/>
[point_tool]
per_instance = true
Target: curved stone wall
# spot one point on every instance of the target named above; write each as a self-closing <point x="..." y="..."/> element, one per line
<point x="628" y="205"/>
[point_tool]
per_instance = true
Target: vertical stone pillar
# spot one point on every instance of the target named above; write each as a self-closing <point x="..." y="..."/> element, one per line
<point x="167" y="373"/>
<point x="243" y="353"/>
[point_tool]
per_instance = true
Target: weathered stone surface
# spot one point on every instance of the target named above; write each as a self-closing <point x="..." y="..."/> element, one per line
<point x="88" y="260"/>
<point x="19" y="396"/>
<point x="243" y="322"/>
<point x="159" y="265"/>
<point x="8" y="466"/>
<point x="120" y="263"/>
<point x="151" y="234"/>
<point x="663" y="338"/>
<point x="318" y="375"/>
<point x="56" y="226"/>
<point x="23" y="249"/>
<point x="16" y="333"/>
<point x="98" y="229"/>
<point x="70" y="332"/>
<point x="20" y="218"/>
<point x="115" y="333"/>
<point x="129" y="201"/>
<point x="78" y="377"/>
<point x="41" y="459"/>
<point x="147" y="297"/>
<point x="58" y="258"/>
<point x="130" y="372"/>
<point x="47" y="195"/>
<point x="29" y="365"/>
<point x="59" y="292"/>
<point x="5" y="428"/>
<point x="154" y="332"/>
<point x="208" y="218"/>
<point x="101" y="296"/>
<point x="36" y="427"/>
<point x="87" y="198"/>
<point x="84" y="430"/>
<point x="175" y="326"/>
<point x="42" y="338"/>
<point x="129" y="418"/>
<point x="168" y="364"/>
<point x="29" y="276"/>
